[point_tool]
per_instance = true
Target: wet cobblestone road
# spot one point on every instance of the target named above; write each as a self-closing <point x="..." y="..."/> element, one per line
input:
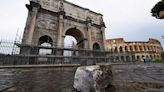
<point x="37" y="80"/>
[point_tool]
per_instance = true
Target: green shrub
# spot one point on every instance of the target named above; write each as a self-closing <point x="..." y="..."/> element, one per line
<point x="158" y="60"/>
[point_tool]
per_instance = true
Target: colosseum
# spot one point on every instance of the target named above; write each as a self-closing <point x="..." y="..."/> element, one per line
<point x="133" y="51"/>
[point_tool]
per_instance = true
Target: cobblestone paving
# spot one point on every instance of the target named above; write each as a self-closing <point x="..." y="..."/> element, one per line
<point x="139" y="77"/>
<point x="37" y="80"/>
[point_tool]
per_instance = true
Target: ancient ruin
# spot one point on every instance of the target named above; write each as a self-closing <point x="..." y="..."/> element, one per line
<point x="133" y="51"/>
<point x="49" y="21"/>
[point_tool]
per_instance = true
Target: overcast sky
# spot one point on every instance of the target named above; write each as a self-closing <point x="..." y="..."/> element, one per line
<point x="130" y="19"/>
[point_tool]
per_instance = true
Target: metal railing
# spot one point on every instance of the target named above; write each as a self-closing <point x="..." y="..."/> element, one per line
<point x="11" y="54"/>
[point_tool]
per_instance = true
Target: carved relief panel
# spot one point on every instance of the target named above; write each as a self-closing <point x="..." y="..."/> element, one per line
<point x="47" y="22"/>
<point x="52" y="5"/>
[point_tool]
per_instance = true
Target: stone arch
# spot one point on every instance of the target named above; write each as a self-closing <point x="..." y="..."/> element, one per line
<point x="135" y="47"/>
<point x="115" y="49"/>
<point x="117" y="58"/>
<point x="138" y="57"/>
<point x="133" y="57"/>
<point x="45" y="39"/>
<point x="78" y="35"/>
<point x="112" y="58"/>
<point x="152" y="56"/>
<point x="143" y="56"/>
<point x="121" y="49"/>
<point x="122" y="58"/>
<point x="131" y="48"/>
<point x="96" y="46"/>
<point x="60" y="24"/>
<point x="158" y="56"/>
<point x="140" y="48"/>
<point x="126" y="49"/>
<point x="76" y="28"/>
<point x="127" y="58"/>
<point x="148" y="47"/>
<point x="144" y="48"/>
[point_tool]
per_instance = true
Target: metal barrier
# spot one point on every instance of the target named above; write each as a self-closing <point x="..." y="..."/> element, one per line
<point x="11" y="54"/>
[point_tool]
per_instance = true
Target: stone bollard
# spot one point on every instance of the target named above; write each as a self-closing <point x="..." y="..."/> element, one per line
<point x="95" y="78"/>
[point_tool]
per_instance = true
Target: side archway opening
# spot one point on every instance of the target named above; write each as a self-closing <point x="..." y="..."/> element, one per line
<point x="96" y="46"/>
<point x="45" y="42"/>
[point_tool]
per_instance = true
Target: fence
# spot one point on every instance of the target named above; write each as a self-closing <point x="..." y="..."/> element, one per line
<point x="10" y="55"/>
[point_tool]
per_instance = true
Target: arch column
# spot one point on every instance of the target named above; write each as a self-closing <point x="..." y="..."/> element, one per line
<point x="120" y="60"/>
<point x="103" y="34"/>
<point x="143" y="49"/>
<point x="125" y="60"/>
<point x="133" y="47"/>
<point x="60" y="38"/>
<point x="138" y="48"/>
<point x="89" y="35"/>
<point x="146" y="48"/>
<point x="118" y="49"/>
<point x="128" y="49"/>
<point x="31" y="29"/>
<point x="123" y="49"/>
<point x="130" y="57"/>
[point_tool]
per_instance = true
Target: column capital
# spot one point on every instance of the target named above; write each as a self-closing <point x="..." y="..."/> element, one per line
<point x="61" y="13"/>
<point x="32" y="5"/>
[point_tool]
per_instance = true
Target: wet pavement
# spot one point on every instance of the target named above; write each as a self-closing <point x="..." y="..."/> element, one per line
<point x="37" y="80"/>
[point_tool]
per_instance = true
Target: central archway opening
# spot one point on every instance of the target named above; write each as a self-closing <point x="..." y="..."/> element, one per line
<point x="71" y="43"/>
<point x="77" y="35"/>
<point x="74" y="39"/>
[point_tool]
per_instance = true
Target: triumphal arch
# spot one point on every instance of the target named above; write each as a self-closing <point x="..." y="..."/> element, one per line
<point x="49" y="21"/>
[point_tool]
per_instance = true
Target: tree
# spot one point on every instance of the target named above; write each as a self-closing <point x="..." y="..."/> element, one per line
<point x="158" y="10"/>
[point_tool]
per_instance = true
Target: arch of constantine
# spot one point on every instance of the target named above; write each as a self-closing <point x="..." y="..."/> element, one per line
<point x="50" y="21"/>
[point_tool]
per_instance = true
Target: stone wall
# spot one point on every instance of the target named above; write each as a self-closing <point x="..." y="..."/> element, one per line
<point x="138" y="77"/>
